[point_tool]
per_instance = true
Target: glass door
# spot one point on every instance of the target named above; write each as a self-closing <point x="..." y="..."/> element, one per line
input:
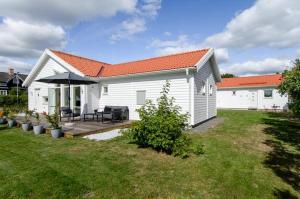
<point x="66" y="96"/>
<point x="53" y="99"/>
<point x="76" y="99"/>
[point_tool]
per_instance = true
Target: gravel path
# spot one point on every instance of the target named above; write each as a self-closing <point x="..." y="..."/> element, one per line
<point x="104" y="136"/>
<point x="207" y="125"/>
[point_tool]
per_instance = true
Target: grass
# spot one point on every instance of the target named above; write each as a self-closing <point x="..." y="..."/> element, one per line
<point x="252" y="155"/>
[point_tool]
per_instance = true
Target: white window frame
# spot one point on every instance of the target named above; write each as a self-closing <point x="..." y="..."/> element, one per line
<point x="271" y="93"/>
<point x="203" y="88"/>
<point x="211" y="89"/>
<point x="137" y="99"/>
<point x="105" y="92"/>
<point x="3" y="92"/>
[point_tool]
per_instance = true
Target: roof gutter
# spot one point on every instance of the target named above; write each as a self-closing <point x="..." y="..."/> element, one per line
<point x="242" y="87"/>
<point x="144" y="74"/>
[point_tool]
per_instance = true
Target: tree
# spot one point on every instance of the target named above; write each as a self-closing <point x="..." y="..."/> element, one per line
<point x="227" y="75"/>
<point x="291" y="86"/>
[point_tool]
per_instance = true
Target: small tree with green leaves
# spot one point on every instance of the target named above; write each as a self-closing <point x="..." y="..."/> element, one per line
<point x="227" y="75"/>
<point x="53" y="119"/>
<point x="291" y="86"/>
<point x="161" y="126"/>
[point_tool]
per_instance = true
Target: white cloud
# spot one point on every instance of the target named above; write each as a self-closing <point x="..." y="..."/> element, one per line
<point x="148" y="9"/>
<point x="30" y="26"/>
<point x="182" y="44"/>
<point x="266" y="66"/>
<point x="18" y="65"/>
<point x="267" y="23"/>
<point x="222" y="55"/>
<point x="129" y="28"/>
<point x="167" y="33"/>
<point x="64" y="12"/>
<point x="298" y="53"/>
<point x="22" y="39"/>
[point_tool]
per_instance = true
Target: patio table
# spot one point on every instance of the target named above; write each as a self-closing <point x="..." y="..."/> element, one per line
<point x="85" y="116"/>
<point x="99" y="114"/>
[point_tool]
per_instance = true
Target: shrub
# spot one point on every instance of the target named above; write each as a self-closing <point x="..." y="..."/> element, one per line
<point x="161" y="126"/>
<point x="28" y="115"/>
<point x="198" y="149"/>
<point x="37" y="118"/>
<point x="291" y="86"/>
<point x="53" y="119"/>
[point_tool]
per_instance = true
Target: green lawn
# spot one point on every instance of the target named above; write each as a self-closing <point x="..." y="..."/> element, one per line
<point x="252" y="155"/>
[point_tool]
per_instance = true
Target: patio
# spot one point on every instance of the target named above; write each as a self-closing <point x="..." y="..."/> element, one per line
<point x="79" y="128"/>
<point x="82" y="128"/>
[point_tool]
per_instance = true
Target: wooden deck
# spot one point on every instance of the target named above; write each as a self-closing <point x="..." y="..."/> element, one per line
<point x="80" y="128"/>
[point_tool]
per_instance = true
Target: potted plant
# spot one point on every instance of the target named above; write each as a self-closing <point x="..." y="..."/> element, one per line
<point x="11" y="118"/>
<point x="26" y="124"/>
<point x="2" y="118"/>
<point x="38" y="128"/>
<point x="53" y="120"/>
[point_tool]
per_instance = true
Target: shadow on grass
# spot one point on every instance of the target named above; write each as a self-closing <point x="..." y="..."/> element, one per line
<point x="284" y="194"/>
<point x="284" y="159"/>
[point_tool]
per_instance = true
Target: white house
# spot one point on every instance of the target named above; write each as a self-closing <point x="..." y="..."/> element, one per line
<point x="192" y="75"/>
<point x="254" y="92"/>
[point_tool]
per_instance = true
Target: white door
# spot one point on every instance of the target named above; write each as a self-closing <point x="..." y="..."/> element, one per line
<point x="252" y="100"/>
<point x="37" y="99"/>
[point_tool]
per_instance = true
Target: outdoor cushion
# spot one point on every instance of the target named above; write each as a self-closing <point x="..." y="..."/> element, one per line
<point x="107" y="109"/>
<point x="65" y="111"/>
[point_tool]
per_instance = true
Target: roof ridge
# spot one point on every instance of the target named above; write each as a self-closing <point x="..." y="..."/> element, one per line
<point x="14" y="73"/>
<point x="158" y="57"/>
<point x="81" y="57"/>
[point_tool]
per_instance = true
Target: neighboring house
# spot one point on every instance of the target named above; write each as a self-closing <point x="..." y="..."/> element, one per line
<point x="254" y="92"/>
<point x="193" y="76"/>
<point x="9" y="80"/>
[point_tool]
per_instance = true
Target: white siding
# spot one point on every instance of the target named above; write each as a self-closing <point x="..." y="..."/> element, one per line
<point x="241" y="100"/>
<point x="122" y="92"/>
<point x="48" y="69"/>
<point x="204" y="104"/>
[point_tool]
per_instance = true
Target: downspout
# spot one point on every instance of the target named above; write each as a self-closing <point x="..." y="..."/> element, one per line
<point x="190" y="98"/>
<point x="207" y="93"/>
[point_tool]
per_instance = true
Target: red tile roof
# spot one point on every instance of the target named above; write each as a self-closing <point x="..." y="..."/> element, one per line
<point x="169" y="62"/>
<point x="87" y="66"/>
<point x="95" y="68"/>
<point x="252" y="81"/>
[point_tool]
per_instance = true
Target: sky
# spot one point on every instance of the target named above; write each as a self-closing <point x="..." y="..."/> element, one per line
<point x="249" y="37"/>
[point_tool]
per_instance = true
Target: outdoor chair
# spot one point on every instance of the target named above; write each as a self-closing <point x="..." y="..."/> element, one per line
<point x="115" y="113"/>
<point x="66" y="112"/>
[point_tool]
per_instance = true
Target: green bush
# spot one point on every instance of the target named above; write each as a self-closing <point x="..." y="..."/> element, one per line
<point x="291" y="86"/>
<point x="11" y="100"/>
<point x="161" y="126"/>
<point x="198" y="149"/>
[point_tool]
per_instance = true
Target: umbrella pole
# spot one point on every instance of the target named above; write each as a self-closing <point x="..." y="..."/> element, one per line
<point x="69" y="97"/>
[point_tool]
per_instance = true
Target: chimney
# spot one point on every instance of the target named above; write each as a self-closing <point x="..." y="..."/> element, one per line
<point x="11" y="71"/>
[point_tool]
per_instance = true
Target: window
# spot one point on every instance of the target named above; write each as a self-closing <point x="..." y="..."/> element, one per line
<point x="3" y="92"/>
<point x="105" y="89"/>
<point x="268" y="93"/>
<point x="203" y="88"/>
<point x="234" y="93"/>
<point x="140" y="97"/>
<point x="45" y="100"/>
<point x="210" y="89"/>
